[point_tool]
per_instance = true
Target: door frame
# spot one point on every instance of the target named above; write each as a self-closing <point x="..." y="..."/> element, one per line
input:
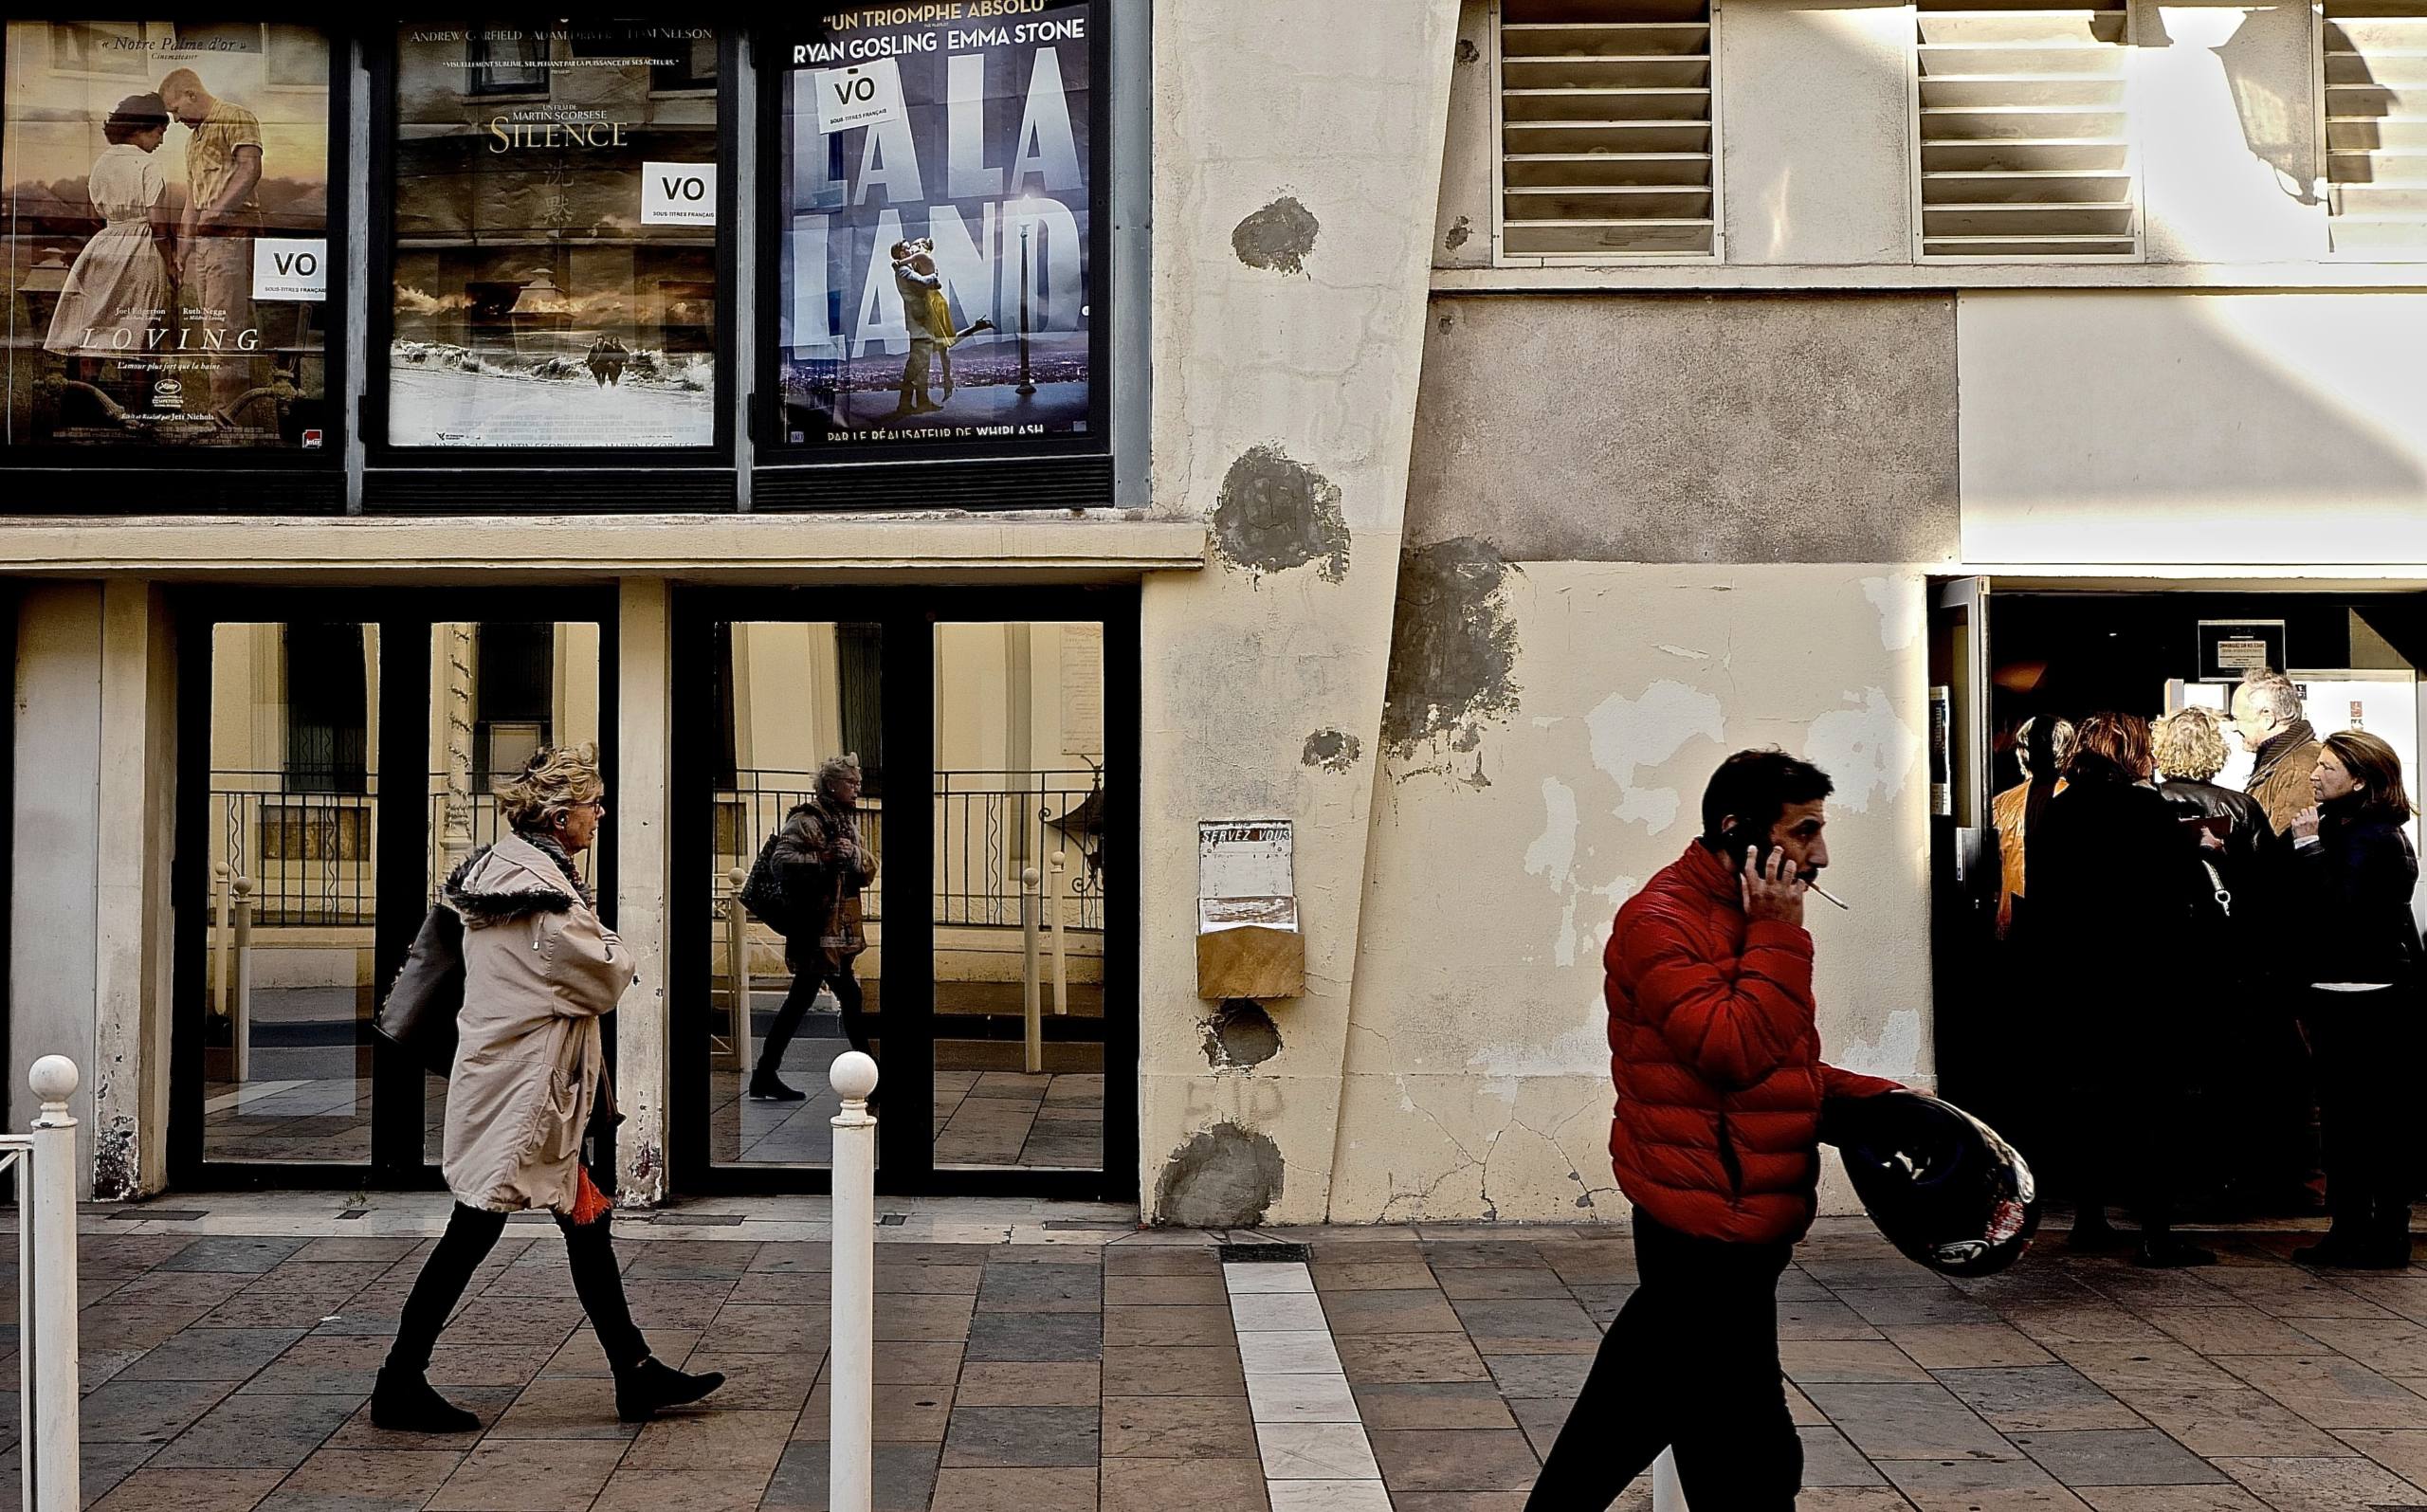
<point x="404" y="617"/>
<point x="907" y="617"/>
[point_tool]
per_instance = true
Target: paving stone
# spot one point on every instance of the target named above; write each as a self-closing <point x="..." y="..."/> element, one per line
<point x="1831" y="1459"/>
<point x="917" y="1364"/>
<point x="760" y="1329"/>
<point x="2230" y="1330"/>
<point x="1067" y="1288"/>
<point x="921" y="1318"/>
<point x="1374" y="1275"/>
<point x="213" y="1355"/>
<point x="101" y="1467"/>
<point x="1536" y="1375"/>
<point x="1189" y="1427"/>
<point x="1165" y="1291"/>
<point x="1822" y="1318"/>
<point x="904" y="1477"/>
<point x="680" y="1491"/>
<point x="1066" y="1489"/>
<point x="234" y="1253"/>
<point x="1528" y="1326"/>
<point x="258" y="1432"/>
<point x="2320" y="1485"/>
<point x="529" y="1476"/>
<point x="151" y="1412"/>
<point x="1187" y="1371"/>
<point x="711" y="1439"/>
<point x="345" y="1365"/>
<point x="1036" y="1335"/>
<point x="1541" y="1418"/>
<point x="1315" y="1451"/>
<point x="410" y="1475"/>
<point x="898" y="1414"/>
<point x="2055" y="1323"/>
<point x="2233" y="1420"/>
<point x="1166" y="1326"/>
<point x="564" y="1408"/>
<point x="2331" y="1391"/>
<point x="1847" y="1499"/>
<point x="1910" y="1422"/>
<point x="2400" y="1451"/>
<point x="1015" y="1436"/>
<point x="2171" y="1498"/>
<point x="453" y="1365"/>
<point x="1847" y="1359"/>
<point x="1276" y="1312"/>
<point x="1965" y="1346"/>
<point x="2163" y="1366"/>
<point x="2116" y="1457"/>
<point x="1065" y="1383"/>
<point x="184" y="1492"/>
<point x="1454" y="1459"/>
<point x="1432" y="1405"/>
<point x="1367" y="1312"/>
<point x="1964" y="1484"/>
<point x="689" y="1260"/>
<point x="797" y="1255"/>
<point x="487" y="1403"/>
<point x="1377" y="1358"/>
<point x="1481" y="1284"/>
<point x="2043" y="1398"/>
<point x="1355" y="1496"/>
<point x="1159" y="1259"/>
<point x="1910" y="1306"/>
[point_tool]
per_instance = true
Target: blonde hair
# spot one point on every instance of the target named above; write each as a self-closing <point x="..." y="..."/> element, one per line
<point x="2190" y="744"/>
<point x="554" y="780"/>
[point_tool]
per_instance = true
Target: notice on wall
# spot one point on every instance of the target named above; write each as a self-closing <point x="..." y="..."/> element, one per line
<point x="2229" y="648"/>
<point x="1083" y="690"/>
<point x="678" y="193"/>
<point x="1246" y="874"/>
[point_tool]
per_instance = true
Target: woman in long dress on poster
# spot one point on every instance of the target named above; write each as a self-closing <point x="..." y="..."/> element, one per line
<point x="119" y="291"/>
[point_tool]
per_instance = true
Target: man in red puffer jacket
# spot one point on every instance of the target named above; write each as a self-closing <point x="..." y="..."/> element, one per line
<point x="1717" y="1059"/>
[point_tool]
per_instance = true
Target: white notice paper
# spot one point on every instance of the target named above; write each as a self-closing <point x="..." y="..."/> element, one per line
<point x="865" y="94"/>
<point x="678" y="193"/>
<point x="1246" y="874"/>
<point x="290" y="267"/>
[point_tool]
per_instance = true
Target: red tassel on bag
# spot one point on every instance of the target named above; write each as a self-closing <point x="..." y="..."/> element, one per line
<point x="589" y="1203"/>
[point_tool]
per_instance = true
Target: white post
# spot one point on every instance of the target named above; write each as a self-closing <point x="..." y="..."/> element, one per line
<point x="221" y="875"/>
<point x="737" y="945"/>
<point x="1667" y="1495"/>
<point x="1060" y="962"/>
<point x="851" y="1357"/>
<point x="243" y="1013"/>
<point x="47" y="1363"/>
<point x="1029" y="990"/>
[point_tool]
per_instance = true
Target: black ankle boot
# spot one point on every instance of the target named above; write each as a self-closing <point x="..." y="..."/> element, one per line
<point x="647" y="1387"/>
<point x="766" y="1085"/>
<point x="404" y="1403"/>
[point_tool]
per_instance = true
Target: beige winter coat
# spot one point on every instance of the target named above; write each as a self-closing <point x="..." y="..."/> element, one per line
<point x="538" y="971"/>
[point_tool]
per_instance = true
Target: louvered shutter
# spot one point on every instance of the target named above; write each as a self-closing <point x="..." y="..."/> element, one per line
<point x="2024" y="152"/>
<point x="2375" y="125"/>
<point x="1606" y="130"/>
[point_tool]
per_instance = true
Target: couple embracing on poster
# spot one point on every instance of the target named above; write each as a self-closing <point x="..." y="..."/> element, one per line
<point x="927" y="315"/>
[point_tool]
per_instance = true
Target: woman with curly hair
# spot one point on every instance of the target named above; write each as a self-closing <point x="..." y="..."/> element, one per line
<point x="539" y="970"/>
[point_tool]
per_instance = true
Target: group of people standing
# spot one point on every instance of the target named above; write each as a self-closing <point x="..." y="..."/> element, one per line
<point x="2214" y="939"/>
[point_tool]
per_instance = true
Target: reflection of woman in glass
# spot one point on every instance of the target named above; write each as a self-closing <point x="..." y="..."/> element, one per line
<point x="118" y="289"/>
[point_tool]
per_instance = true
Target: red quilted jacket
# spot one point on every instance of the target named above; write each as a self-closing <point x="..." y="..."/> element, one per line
<point x="1717" y="1059"/>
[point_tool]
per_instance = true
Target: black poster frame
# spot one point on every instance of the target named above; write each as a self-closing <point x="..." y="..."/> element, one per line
<point x="542" y="480"/>
<point x="1045" y="471"/>
<point x="253" y="480"/>
<point x="907" y="618"/>
<point x="405" y="618"/>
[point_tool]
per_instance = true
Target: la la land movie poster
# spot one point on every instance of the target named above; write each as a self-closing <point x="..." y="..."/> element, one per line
<point x="555" y="237"/>
<point x="938" y="273"/>
<point x="167" y="224"/>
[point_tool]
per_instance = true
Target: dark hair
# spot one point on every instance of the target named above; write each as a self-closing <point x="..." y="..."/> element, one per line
<point x="2109" y="748"/>
<point x="134" y="114"/>
<point x="2376" y="769"/>
<point x="1755" y="787"/>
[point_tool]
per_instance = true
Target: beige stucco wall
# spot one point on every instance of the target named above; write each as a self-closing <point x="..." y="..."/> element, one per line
<point x="1477" y="1074"/>
<point x="2193" y="427"/>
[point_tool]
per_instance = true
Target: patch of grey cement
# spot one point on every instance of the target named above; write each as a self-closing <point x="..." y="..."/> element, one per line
<point x="1452" y="647"/>
<point x="1332" y="750"/>
<point x="1277" y="237"/>
<point x="1226" y="1178"/>
<point x="1275" y="513"/>
<point x="1240" y="1036"/>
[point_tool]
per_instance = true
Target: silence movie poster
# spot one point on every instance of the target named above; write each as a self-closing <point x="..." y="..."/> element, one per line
<point x="167" y="201"/>
<point x="556" y="225"/>
<point x="937" y="269"/>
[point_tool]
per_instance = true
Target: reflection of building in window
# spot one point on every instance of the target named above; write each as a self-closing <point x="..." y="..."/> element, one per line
<point x="327" y="713"/>
<point x="513" y="698"/>
<point x="506" y="63"/>
<point x="859" y="687"/>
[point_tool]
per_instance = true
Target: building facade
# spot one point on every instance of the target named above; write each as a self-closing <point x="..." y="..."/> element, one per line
<point x="1212" y="464"/>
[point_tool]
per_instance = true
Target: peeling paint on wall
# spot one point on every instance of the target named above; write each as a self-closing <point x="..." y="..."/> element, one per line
<point x="1278" y="237"/>
<point x="1628" y="734"/>
<point x="1275" y="513"/>
<point x="1240" y="1036"/>
<point x="1553" y="853"/>
<point x="1865" y="750"/>
<point x="117" y="1163"/>
<point x="1458" y="236"/>
<point x="1334" y="750"/>
<point x="1225" y="1177"/>
<point x="1901" y="611"/>
<point x="1896" y="1052"/>
<point x="1453" y="645"/>
<point x="1467" y="52"/>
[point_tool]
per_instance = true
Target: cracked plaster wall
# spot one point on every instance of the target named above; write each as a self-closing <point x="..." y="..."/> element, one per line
<point x="1477" y="1071"/>
<point x="1320" y="364"/>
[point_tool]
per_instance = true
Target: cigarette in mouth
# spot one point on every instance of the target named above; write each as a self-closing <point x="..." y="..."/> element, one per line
<point x="1813" y="887"/>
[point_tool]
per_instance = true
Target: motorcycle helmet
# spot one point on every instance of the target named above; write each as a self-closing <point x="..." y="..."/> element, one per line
<point x="1942" y="1186"/>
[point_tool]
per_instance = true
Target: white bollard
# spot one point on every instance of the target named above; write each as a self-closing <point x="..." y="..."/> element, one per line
<point x="221" y="875"/>
<point x="242" y="1016"/>
<point x="852" y="1358"/>
<point x="1061" y="960"/>
<point x="1666" y="1494"/>
<point x="47" y="1361"/>
<point x="1029" y="993"/>
<point x="736" y="966"/>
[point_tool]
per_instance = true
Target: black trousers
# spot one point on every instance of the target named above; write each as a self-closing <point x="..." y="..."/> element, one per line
<point x="808" y="974"/>
<point x="2362" y="1045"/>
<point x="1690" y="1364"/>
<point x="472" y="1233"/>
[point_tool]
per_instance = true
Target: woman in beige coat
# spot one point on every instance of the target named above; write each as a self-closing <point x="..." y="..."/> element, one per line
<point x="539" y="970"/>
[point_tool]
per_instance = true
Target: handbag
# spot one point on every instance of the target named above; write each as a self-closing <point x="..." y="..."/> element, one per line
<point x="762" y="891"/>
<point x="419" y="1013"/>
<point x="845" y="936"/>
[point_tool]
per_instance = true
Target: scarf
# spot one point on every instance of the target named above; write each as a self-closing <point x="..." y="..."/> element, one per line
<point x="2275" y="747"/>
<point x="546" y="844"/>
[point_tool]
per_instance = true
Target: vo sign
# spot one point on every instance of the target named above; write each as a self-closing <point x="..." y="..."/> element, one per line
<point x="290" y="267"/>
<point x="865" y="94"/>
<point x="678" y="193"/>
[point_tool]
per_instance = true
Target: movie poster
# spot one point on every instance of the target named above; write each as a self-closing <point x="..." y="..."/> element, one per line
<point x="556" y="225"/>
<point x="167" y="230"/>
<point x="937" y="268"/>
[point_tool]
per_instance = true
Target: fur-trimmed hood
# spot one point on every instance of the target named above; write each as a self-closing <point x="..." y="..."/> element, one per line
<point x="512" y="879"/>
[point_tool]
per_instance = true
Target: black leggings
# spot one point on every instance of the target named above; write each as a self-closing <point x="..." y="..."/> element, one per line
<point x="1690" y="1364"/>
<point x="2364" y="1044"/>
<point x="806" y="978"/>
<point x="472" y="1233"/>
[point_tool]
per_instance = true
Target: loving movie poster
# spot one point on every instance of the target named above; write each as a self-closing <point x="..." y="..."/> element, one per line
<point x="167" y="229"/>
<point x="937" y="275"/>
<point x="556" y="236"/>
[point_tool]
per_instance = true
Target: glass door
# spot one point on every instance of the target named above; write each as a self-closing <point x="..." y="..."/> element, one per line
<point x="337" y="759"/>
<point x="985" y="954"/>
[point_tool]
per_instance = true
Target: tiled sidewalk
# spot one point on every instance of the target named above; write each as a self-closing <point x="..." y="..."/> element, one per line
<point x="1072" y="1364"/>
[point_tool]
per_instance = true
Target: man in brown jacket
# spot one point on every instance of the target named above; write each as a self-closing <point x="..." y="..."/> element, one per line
<point x="2267" y="719"/>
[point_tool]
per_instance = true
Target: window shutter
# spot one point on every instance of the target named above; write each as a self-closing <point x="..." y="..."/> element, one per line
<point x="2024" y="152"/>
<point x="2376" y="124"/>
<point x="1606" y="130"/>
